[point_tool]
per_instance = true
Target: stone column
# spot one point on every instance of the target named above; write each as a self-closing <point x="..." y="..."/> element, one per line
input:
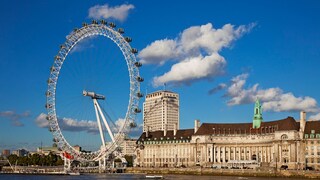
<point x="229" y="153"/>
<point x="218" y="155"/>
<point x="280" y="153"/>
<point x="215" y="154"/>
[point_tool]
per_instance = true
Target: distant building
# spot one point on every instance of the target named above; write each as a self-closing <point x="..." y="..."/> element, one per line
<point x="20" y="152"/>
<point x="48" y="150"/>
<point x="286" y="142"/>
<point x="161" y="111"/>
<point x="128" y="147"/>
<point x="77" y="147"/>
<point x="165" y="149"/>
<point x="6" y="152"/>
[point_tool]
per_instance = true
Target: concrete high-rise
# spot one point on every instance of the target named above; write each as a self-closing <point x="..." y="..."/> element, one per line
<point x="161" y="111"/>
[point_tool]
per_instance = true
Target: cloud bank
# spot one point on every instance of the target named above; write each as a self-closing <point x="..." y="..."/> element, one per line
<point x="107" y="12"/>
<point x="274" y="99"/>
<point x="72" y="125"/>
<point x="14" y="117"/>
<point x="196" y="51"/>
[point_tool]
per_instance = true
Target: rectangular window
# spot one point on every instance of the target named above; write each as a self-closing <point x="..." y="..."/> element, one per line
<point x="306" y="136"/>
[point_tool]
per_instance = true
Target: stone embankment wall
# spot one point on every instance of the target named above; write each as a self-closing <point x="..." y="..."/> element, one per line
<point x="227" y="172"/>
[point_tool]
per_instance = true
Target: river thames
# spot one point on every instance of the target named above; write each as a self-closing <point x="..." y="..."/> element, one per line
<point x="129" y="176"/>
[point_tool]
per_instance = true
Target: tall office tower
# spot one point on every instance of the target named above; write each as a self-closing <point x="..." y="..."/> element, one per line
<point x="161" y="111"/>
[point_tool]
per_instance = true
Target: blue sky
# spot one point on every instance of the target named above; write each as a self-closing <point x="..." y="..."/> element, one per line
<point x="219" y="56"/>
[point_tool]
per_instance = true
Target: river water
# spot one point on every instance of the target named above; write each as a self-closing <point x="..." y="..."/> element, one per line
<point x="128" y="176"/>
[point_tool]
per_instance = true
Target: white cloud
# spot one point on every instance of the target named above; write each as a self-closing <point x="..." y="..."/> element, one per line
<point x="192" y="69"/>
<point x="71" y="125"/>
<point x="315" y="117"/>
<point x="217" y="88"/>
<point x="105" y="11"/>
<point x="41" y="121"/>
<point x="197" y="51"/>
<point x="133" y="132"/>
<point x="274" y="99"/>
<point x="159" y="51"/>
<point x="14" y="117"/>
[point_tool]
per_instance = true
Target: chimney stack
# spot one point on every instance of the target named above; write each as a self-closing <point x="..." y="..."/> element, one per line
<point x="196" y="125"/>
<point x="303" y="119"/>
<point x="174" y="129"/>
<point x="165" y="130"/>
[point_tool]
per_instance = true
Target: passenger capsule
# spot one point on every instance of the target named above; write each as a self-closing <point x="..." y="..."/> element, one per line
<point x="113" y="25"/>
<point x="84" y="24"/>
<point x="103" y="22"/>
<point x="138" y="64"/>
<point x="128" y="39"/>
<point x="75" y="29"/>
<point x="52" y="69"/>
<point x="57" y="58"/>
<point x="94" y="22"/>
<point x="133" y="125"/>
<point x="137" y="110"/>
<point x="48" y="93"/>
<point x="48" y="106"/>
<point x="121" y="30"/>
<point x="51" y="129"/>
<point x="49" y="81"/>
<point x="134" y="50"/>
<point x="140" y="79"/>
<point x="140" y="95"/>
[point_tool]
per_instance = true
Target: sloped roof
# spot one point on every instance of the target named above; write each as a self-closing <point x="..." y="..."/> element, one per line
<point x="181" y="134"/>
<point x="245" y="128"/>
<point x="312" y="125"/>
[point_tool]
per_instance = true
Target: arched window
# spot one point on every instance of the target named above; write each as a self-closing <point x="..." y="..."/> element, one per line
<point x="284" y="137"/>
<point x="254" y="157"/>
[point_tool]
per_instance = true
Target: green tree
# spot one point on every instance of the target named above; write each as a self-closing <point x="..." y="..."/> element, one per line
<point x="13" y="159"/>
<point x="34" y="159"/>
<point x="129" y="160"/>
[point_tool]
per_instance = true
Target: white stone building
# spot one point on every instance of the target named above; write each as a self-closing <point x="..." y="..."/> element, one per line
<point x="281" y="143"/>
<point x="160" y="111"/>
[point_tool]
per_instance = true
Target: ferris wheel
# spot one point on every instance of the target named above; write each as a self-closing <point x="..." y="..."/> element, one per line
<point x="101" y="28"/>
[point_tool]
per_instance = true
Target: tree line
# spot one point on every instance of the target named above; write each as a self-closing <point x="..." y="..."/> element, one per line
<point x="36" y="159"/>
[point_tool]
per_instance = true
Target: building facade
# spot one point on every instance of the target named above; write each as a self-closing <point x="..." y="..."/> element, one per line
<point x="281" y="143"/>
<point x="6" y="152"/>
<point x="20" y="152"/>
<point x="161" y="111"/>
<point x="128" y="147"/>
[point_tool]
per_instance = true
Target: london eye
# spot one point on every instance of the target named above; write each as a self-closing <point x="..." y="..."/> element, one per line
<point x="110" y="143"/>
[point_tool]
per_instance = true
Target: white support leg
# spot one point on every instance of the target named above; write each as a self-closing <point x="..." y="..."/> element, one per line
<point x="102" y="164"/>
<point x="97" y="108"/>
<point x="105" y="122"/>
<point x="67" y="164"/>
